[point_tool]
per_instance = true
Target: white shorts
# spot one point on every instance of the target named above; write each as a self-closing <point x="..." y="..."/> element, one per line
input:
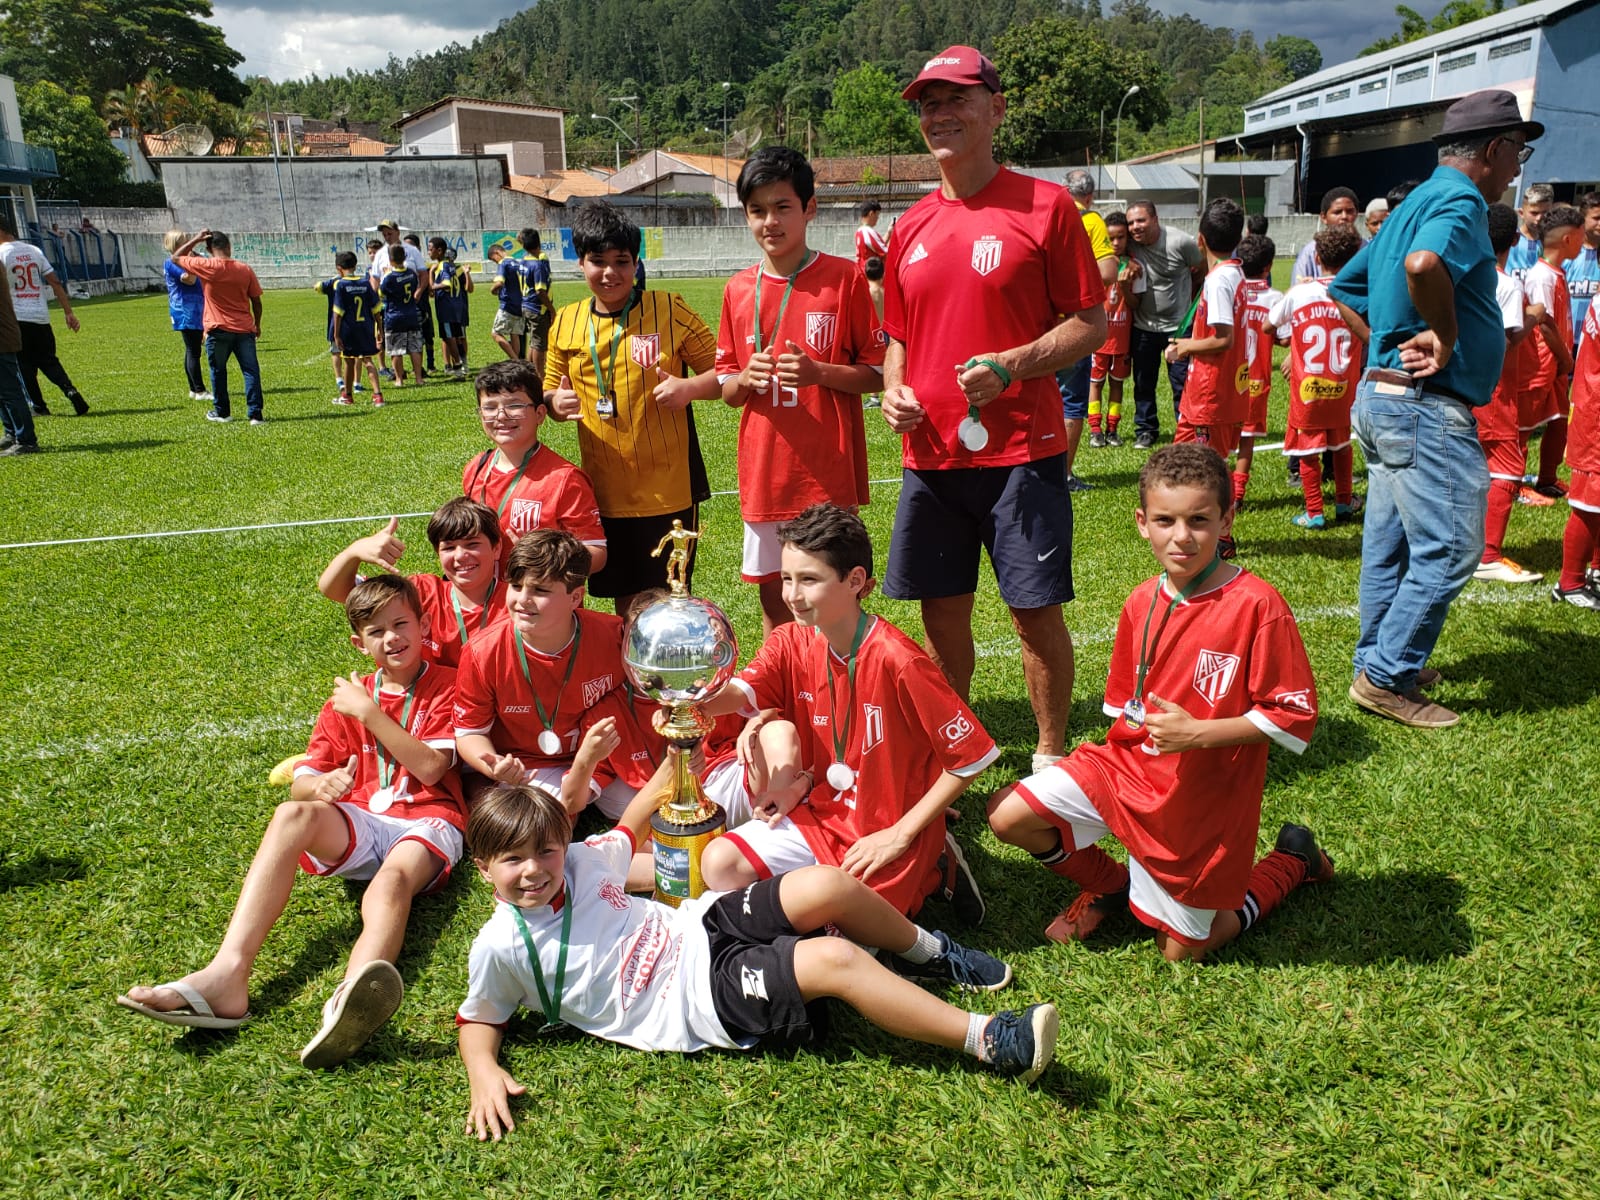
<point x="725" y="783"/>
<point x="763" y="553"/>
<point x="1056" y="790"/>
<point x="772" y="849"/>
<point x="612" y="800"/>
<point x="373" y="836"/>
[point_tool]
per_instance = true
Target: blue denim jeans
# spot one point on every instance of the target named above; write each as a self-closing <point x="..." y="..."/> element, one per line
<point x="1073" y="384"/>
<point x="222" y="344"/>
<point x="1147" y="349"/>
<point x="14" y="411"/>
<point x="1427" y="487"/>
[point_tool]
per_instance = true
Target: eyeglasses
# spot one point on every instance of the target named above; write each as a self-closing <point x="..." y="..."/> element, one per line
<point x="515" y="409"/>
<point x="1524" y="151"/>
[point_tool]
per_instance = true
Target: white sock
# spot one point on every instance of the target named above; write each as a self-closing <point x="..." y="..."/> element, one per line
<point x="924" y="949"/>
<point x="976" y="1023"/>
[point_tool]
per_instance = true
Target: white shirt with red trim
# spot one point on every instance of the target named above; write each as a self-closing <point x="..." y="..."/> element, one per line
<point x="1191" y="819"/>
<point x="906" y="728"/>
<point x="1547" y="285"/>
<point x="1259" y="297"/>
<point x="443" y="642"/>
<point x="1217" y="390"/>
<point x="28" y="272"/>
<point x="799" y="447"/>
<point x="493" y="698"/>
<point x="869" y="244"/>
<point x="967" y="278"/>
<point x="552" y="494"/>
<point x="638" y="972"/>
<point x="336" y="737"/>
<point x="1498" y="419"/>
<point x="1324" y="356"/>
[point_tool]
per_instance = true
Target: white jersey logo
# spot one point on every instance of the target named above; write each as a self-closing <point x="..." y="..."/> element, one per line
<point x="986" y="254"/>
<point x="595" y="689"/>
<point x="753" y="983"/>
<point x="819" y="330"/>
<point x="1300" y="700"/>
<point x="871" y="726"/>
<point x="1213" y="674"/>
<point x="917" y="254"/>
<point x="645" y="349"/>
<point x="525" y="515"/>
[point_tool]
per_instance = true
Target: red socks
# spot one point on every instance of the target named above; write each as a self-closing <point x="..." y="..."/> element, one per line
<point x="1311" y="483"/>
<point x="1579" y="545"/>
<point x="1241" y="480"/>
<point x="1502" y="495"/>
<point x="1552" y="448"/>
<point x="1093" y="870"/>
<point x="1273" y="878"/>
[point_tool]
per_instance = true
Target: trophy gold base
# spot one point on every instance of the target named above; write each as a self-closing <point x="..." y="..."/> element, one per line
<point x="681" y="829"/>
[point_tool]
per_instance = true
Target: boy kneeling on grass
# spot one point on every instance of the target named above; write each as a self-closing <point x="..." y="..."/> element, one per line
<point x="726" y="970"/>
<point x="1207" y="668"/>
<point x="376" y="799"/>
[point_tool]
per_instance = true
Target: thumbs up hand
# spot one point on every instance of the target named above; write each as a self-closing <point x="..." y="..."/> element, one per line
<point x="381" y="549"/>
<point x="796" y="370"/>
<point x="672" y="392"/>
<point x="563" y="402"/>
<point x="336" y="784"/>
<point x="1171" y="728"/>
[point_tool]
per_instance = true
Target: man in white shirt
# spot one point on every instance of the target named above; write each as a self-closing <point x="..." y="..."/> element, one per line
<point x="29" y="273"/>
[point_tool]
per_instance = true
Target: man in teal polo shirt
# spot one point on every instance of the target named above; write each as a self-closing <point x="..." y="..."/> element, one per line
<point x="1427" y="291"/>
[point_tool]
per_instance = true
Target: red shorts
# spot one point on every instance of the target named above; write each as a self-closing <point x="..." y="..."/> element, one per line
<point x="1255" y="422"/>
<point x="1507" y="458"/>
<point x="1224" y="439"/>
<point x="1297" y="441"/>
<point x="1583" y="491"/>
<point x="1117" y="366"/>
<point x="1536" y="407"/>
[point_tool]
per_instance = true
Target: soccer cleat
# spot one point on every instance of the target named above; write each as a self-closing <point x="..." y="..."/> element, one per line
<point x="1592" y="578"/>
<point x="17" y="448"/>
<point x="1506" y="571"/>
<point x="357" y="1009"/>
<point x="1555" y="491"/>
<point x="1084" y="915"/>
<point x="217" y="417"/>
<point x="970" y="970"/>
<point x="1307" y="521"/>
<point x="282" y="775"/>
<point x="1528" y="494"/>
<point x="1112" y="439"/>
<point x="1227" y="549"/>
<point x="1145" y="441"/>
<point x="1583" y="597"/>
<point x="1344" y="512"/>
<point x="1409" y="708"/>
<point x="1097" y="440"/>
<point x="1076" y="483"/>
<point x="79" y="404"/>
<point x="377" y="399"/>
<point x="1298" y="841"/>
<point x="960" y="886"/>
<point x="1022" y="1043"/>
<point x="341" y="398"/>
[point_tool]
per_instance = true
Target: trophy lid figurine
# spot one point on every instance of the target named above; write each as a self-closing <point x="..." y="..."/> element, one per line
<point x="680" y="652"/>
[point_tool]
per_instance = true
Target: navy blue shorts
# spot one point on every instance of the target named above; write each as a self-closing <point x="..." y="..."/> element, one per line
<point x="1021" y="515"/>
<point x="1073" y="384"/>
<point x="449" y="329"/>
<point x="359" y="343"/>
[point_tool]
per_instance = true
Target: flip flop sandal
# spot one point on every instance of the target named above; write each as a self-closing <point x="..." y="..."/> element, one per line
<point x="198" y="1014"/>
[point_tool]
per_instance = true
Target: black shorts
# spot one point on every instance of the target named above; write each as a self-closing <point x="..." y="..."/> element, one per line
<point x="753" y="986"/>
<point x="1021" y="515"/>
<point x="449" y="330"/>
<point x="629" y="541"/>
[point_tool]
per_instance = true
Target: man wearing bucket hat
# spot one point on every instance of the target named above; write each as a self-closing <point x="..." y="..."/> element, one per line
<point x="976" y="274"/>
<point x="1426" y="288"/>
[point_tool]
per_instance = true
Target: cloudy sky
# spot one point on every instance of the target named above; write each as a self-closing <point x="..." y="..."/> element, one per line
<point x="287" y="39"/>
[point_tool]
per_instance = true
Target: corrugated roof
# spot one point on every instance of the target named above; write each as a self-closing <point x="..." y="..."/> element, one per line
<point x="558" y="186"/>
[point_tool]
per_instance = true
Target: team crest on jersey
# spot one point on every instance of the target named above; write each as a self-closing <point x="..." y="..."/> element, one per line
<point x="820" y="327"/>
<point x="871" y="726"/>
<point x="525" y="515"/>
<point x="614" y="895"/>
<point x="1214" y="673"/>
<point x="986" y="254"/>
<point x="918" y="253"/>
<point x="595" y="689"/>
<point x="645" y="349"/>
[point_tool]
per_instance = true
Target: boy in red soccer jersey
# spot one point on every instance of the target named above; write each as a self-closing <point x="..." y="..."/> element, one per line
<point x="869" y="242"/>
<point x="377" y="798"/>
<point x="1255" y="262"/>
<point x="1215" y="396"/>
<point x="1544" y="396"/>
<point x="532" y="686"/>
<point x="885" y="744"/>
<point x="1503" y="448"/>
<point x="1324" y="367"/>
<point x="797" y="349"/>
<point x="528" y="485"/>
<point x="1580" y="545"/>
<point x="1111" y="364"/>
<point x="467" y="599"/>
<point x="1207" y="668"/>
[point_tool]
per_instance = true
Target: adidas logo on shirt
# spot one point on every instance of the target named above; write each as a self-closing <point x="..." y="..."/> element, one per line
<point x="917" y="255"/>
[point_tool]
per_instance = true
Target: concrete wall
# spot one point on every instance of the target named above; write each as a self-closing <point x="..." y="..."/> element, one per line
<point x="1569" y="152"/>
<point x="432" y="134"/>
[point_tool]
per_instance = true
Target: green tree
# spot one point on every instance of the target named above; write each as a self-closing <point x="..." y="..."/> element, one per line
<point x="1298" y="56"/>
<point x="867" y="115"/>
<point x="1063" y="83"/>
<point x="1413" y="25"/>
<point x="91" y="167"/>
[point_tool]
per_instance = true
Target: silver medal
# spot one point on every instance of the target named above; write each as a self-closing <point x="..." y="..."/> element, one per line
<point x="606" y="406"/>
<point x="549" y="743"/>
<point x="972" y="434"/>
<point x="1133" y="713"/>
<point x="840" y="777"/>
<point x="381" y="800"/>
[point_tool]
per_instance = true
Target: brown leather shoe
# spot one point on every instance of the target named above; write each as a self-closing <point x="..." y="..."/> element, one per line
<point x="1413" y="708"/>
<point x="1427" y="677"/>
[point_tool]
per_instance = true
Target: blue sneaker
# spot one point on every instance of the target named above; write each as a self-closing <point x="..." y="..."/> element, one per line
<point x="1022" y="1043"/>
<point x="1307" y="521"/>
<point x="1346" y="512"/>
<point x="970" y="970"/>
<point x="1076" y="483"/>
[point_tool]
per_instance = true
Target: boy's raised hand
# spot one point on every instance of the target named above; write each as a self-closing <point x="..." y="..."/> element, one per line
<point x="381" y="549"/>
<point x="601" y="740"/>
<point x="564" y="401"/>
<point x="672" y="391"/>
<point x="507" y="769"/>
<point x="336" y="784"/>
<point x="796" y="370"/>
<point x="351" y="700"/>
<point x="1171" y="728"/>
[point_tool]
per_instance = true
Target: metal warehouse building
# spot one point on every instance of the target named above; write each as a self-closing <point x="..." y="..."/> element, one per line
<point x="1367" y="123"/>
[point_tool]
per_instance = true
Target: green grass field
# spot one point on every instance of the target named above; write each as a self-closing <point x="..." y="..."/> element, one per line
<point x="1423" y="1026"/>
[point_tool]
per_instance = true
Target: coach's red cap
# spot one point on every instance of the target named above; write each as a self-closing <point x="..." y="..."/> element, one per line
<point x="959" y="64"/>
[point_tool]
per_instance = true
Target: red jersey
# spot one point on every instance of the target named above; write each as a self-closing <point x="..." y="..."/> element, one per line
<point x="968" y="278"/>
<point x="906" y="727"/>
<point x="1119" y="320"/>
<point x="448" y="630"/>
<point x="1498" y="419"/>
<point x="1259" y="297"/>
<point x="869" y="244"/>
<point x="1217" y="391"/>
<point x="1583" y="429"/>
<point x="1192" y="818"/>
<point x="799" y="447"/>
<point x="551" y="494"/>
<point x="1547" y="285"/>
<point x="335" y="738"/>
<point x="493" y="698"/>
<point x="1324" y="360"/>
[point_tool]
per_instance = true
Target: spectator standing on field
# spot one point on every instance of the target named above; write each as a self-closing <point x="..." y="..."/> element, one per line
<point x="30" y="273"/>
<point x="1074" y="381"/>
<point x="18" y="420"/>
<point x="185" y="305"/>
<point x="1172" y="265"/>
<point x="232" y="317"/>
